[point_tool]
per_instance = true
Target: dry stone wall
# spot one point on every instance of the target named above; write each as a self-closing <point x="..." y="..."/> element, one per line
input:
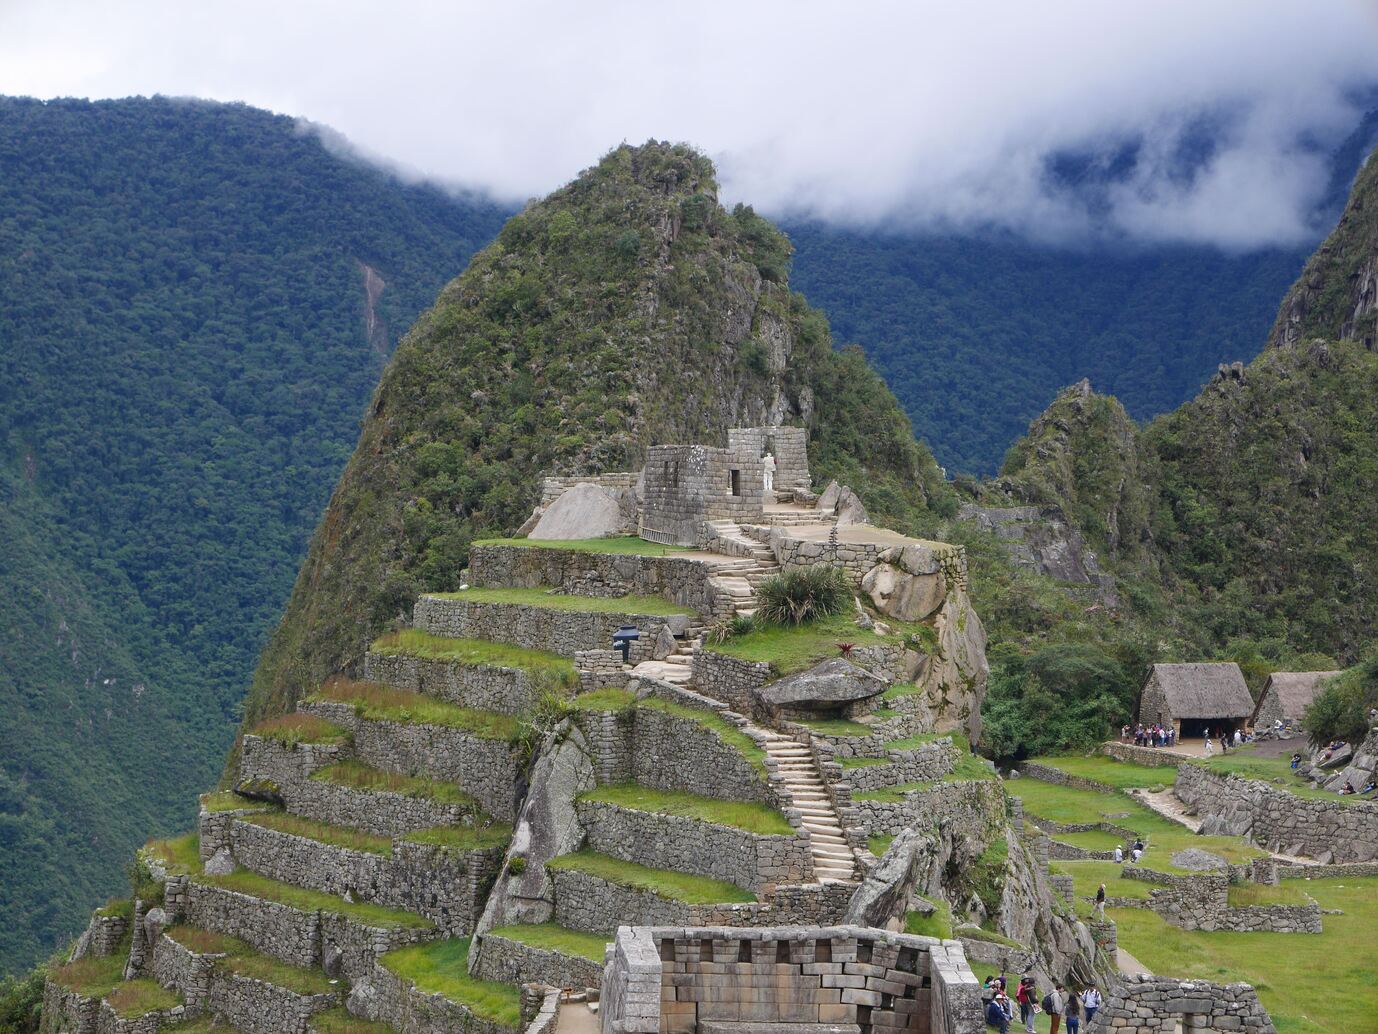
<point x="552" y="487"/>
<point x="265" y="759"/>
<point x="789" y="446"/>
<point x="681" y="580"/>
<point x="677" y="753"/>
<point x="685" y="486"/>
<point x="513" y="962"/>
<point x="1278" y="820"/>
<point x="687" y="845"/>
<point x="380" y="812"/>
<point x="975" y="804"/>
<point x="730" y="680"/>
<point x="925" y="763"/>
<point x="483" y="687"/>
<point x="565" y="632"/>
<point x="385" y="997"/>
<point x="1164" y="1005"/>
<point x="255" y="1007"/>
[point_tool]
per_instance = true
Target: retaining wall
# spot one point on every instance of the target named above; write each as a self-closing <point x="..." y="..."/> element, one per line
<point x="386" y="998"/>
<point x="483" y="687"/>
<point x="975" y="803"/>
<point x="1152" y="1005"/>
<point x="513" y="962"/>
<point x="565" y="632"/>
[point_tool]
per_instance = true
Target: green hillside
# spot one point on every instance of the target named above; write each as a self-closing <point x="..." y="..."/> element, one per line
<point x="627" y="308"/>
<point x="183" y="359"/>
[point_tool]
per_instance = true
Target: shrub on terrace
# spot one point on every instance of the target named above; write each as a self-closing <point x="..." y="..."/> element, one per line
<point x="804" y="595"/>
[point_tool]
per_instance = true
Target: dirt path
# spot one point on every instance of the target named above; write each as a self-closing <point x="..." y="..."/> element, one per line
<point x="1129" y="965"/>
<point x="577" y="1018"/>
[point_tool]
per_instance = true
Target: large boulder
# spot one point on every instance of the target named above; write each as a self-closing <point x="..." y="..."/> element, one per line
<point x="834" y="681"/>
<point x="831" y="494"/>
<point x="586" y="511"/>
<point x="953" y="679"/>
<point x="908" y="583"/>
<point x="889" y="887"/>
<point x="850" y="509"/>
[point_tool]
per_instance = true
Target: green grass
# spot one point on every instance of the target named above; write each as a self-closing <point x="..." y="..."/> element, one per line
<point x="1163" y="838"/>
<point x="1092" y="840"/>
<point x="441" y="967"/>
<point x="622" y="545"/>
<point x="726" y="731"/>
<point x="294" y="728"/>
<point x="958" y="739"/>
<point x="608" y="698"/>
<point x="244" y="960"/>
<point x="179" y="854"/>
<point x="677" y="886"/>
<point x="547" y="599"/>
<point x="793" y="648"/>
<point x="338" y="1021"/>
<point x="413" y="642"/>
<point x="557" y="938"/>
<point x="463" y="838"/>
<point x="1122" y="775"/>
<point x="94" y="976"/>
<point x="358" y="776"/>
<point x="1288" y="892"/>
<point x="880" y="844"/>
<point x="136" y="997"/>
<point x="385" y="704"/>
<point x="862" y="762"/>
<point x="939" y="924"/>
<point x="121" y="907"/>
<point x="1245" y="763"/>
<point x="200" y="1025"/>
<point x="246" y="882"/>
<point x="968" y="769"/>
<point x="836" y="727"/>
<point x="1310" y="983"/>
<point x="226" y="800"/>
<point x="755" y="818"/>
<point x="1089" y="875"/>
<point x="978" y="934"/>
<point x="336" y="836"/>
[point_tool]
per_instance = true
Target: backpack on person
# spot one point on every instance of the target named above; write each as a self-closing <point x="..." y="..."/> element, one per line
<point x="1047" y="1003"/>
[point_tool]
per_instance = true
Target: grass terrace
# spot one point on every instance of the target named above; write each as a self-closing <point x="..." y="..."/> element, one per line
<point x="1244" y="762"/>
<point x="94" y="976"/>
<point x="939" y="924"/>
<point x="665" y="883"/>
<point x="179" y="855"/>
<point x="1089" y="875"/>
<point x="1092" y="840"/>
<point x="294" y="728"/>
<point x="1288" y="892"/>
<point x="135" y="997"/>
<point x="255" y="885"/>
<point x="228" y="800"/>
<point x="725" y="730"/>
<point x="620" y="545"/>
<point x="969" y="769"/>
<point x="754" y="818"/>
<point x="200" y="1025"/>
<point x="378" y="703"/>
<point x="959" y="740"/>
<point x="245" y="961"/>
<point x="880" y="844"/>
<point x="557" y="938"/>
<point x="339" y="1021"/>
<point x="1122" y="775"/>
<point x="442" y="967"/>
<point x="356" y="775"/>
<point x="1310" y="983"/>
<point x="862" y="762"/>
<point x="413" y="642"/>
<point x="463" y="838"/>
<point x="335" y="836"/>
<point x="548" y="599"/>
<point x="836" y="727"/>
<point x="796" y="647"/>
<point x="608" y="698"/>
<point x="122" y="908"/>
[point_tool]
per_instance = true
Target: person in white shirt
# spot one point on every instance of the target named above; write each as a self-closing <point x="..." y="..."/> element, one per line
<point x="1090" y="1001"/>
<point x="1119" y="855"/>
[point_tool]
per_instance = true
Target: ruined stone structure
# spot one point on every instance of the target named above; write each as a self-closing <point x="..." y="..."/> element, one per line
<point x="1196" y="699"/>
<point x="686" y="486"/>
<point x="789" y="446"/>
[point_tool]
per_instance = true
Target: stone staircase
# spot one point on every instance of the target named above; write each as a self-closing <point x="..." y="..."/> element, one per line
<point x="753" y="562"/>
<point x="833" y="858"/>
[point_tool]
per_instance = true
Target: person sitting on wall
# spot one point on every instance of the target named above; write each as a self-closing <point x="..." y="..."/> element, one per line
<point x="1348" y="788"/>
<point x="1296" y="762"/>
<point x="999" y="1012"/>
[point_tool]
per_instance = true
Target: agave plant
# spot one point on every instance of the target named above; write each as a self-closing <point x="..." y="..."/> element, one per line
<point x="803" y="595"/>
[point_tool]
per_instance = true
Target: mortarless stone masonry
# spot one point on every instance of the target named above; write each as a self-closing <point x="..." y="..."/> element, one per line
<point x="483" y="687"/>
<point x="513" y="962"/>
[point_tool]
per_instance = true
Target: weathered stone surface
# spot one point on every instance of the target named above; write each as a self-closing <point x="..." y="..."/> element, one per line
<point x="220" y="864"/>
<point x="850" y="509"/>
<point x="904" y="596"/>
<point x="1196" y="859"/>
<point x="885" y="893"/>
<point x="1042" y="539"/>
<point x="831" y="494"/>
<point x="584" y="511"/>
<point x="834" y="681"/>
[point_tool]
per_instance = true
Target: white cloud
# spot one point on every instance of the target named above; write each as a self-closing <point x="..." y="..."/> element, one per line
<point x="911" y="113"/>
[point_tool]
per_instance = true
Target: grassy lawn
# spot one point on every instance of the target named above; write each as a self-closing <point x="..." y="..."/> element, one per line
<point x="939" y="924"/>
<point x="879" y="844"/>
<point x="557" y="938"/>
<point x="179" y="854"/>
<point x="677" y="886"/>
<point x="1122" y="775"/>
<point x="548" y="599"/>
<point x="1087" y="876"/>
<point x="796" y="647"/>
<point x="255" y="885"/>
<point x="725" y="730"/>
<point x="226" y="800"/>
<point x="1162" y="837"/>
<point x="1092" y="840"/>
<point x="609" y="698"/>
<point x="338" y="1021"/>
<point x="385" y="704"/>
<point x="294" y="728"/>
<point x="358" y="776"/>
<point x="463" y="838"/>
<point x="1246" y="763"/>
<point x="755" y="818"/>
<point x="413" y="642"/>
<point x="136" y="997"/>
<point x="1288" y="892"/>
<point x="836" y="727"/>
<point x="441" y="967"/>
<point x="862" y="762"/>
<point x="240" y="958"/>
<point x="622" y="545"/>
<point x="336" y="836"/>
<point x="94" y="976"/>
<point x="1310" y="983"/>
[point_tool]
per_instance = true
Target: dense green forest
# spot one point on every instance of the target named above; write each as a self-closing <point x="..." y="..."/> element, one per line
<point x="183" y="363"/>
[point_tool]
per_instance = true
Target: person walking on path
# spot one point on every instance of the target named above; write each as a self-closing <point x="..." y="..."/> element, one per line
<point x="1100" y="901"/>
<point x="1119" y="854"/>
<point x="1209" y="752"/>
<point x="1073" y="1013"/>
<point x="1054" y="1002"/>
<point x="1090" y="1003"/>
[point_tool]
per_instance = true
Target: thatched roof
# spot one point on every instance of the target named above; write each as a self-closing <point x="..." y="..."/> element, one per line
<point x="1296" y="689"/>
<point x="1204" y="690"/>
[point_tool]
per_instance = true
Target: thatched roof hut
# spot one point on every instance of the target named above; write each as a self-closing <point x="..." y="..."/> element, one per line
<point x="1206" y="696"/>
<point x="1287" y="694"/>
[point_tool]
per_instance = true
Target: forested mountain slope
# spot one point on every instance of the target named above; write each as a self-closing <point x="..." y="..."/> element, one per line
<point x="183" y="361"/>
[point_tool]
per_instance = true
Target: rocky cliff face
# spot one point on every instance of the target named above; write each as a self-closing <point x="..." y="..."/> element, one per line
<point x="627" y="308"/>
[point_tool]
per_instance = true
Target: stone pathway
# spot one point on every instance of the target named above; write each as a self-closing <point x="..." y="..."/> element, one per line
<point x="1128" y="964"/>
<point x="1165" y="803"/>
<point x="577" y="1018"/>
<point x="833" y="858"/>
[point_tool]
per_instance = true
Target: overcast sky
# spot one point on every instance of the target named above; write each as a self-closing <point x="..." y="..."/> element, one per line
<point x="925" y="114"/>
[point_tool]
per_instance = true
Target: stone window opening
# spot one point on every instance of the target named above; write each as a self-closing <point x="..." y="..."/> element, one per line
<point x="736" y="476"/>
